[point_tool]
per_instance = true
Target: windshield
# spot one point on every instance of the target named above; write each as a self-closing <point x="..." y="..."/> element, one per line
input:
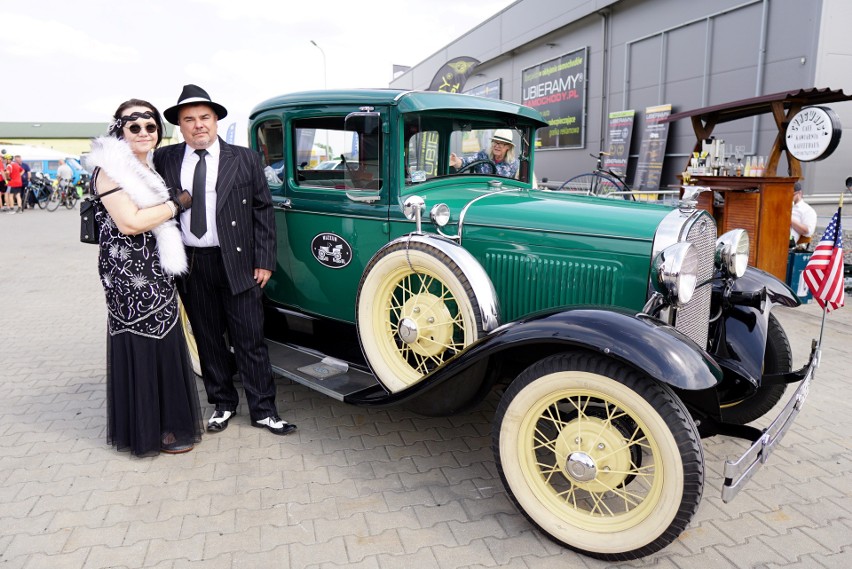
<point x="437" y="146"/>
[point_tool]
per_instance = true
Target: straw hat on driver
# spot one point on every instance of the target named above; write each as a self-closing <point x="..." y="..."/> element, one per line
<point x="503" y="135"/>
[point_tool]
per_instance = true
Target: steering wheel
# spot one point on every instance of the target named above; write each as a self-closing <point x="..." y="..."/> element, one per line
<point x="467" y="167"/>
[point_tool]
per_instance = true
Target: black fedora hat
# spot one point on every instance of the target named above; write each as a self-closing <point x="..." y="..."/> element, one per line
<point x="192" y="95"/>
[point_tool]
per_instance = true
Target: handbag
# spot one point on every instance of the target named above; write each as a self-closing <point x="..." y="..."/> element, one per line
<point x="89" y="227"/>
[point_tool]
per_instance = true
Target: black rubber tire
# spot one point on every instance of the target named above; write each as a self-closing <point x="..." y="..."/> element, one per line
<point x="579" y="492"/>
<point x="778" y="358"/>
<point x="42" y="198"/>
<point x="53" y="200"/>
<point x="595" y="184"/>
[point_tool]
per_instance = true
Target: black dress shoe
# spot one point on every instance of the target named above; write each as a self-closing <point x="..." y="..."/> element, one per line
<point x="218" y="422"/>
<point x="274" y="424"/>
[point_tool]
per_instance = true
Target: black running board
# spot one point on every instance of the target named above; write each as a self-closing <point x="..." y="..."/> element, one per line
<point x="327" y="375"/>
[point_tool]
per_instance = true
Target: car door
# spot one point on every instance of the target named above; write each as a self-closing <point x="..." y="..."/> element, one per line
<point x="329" y="222"/>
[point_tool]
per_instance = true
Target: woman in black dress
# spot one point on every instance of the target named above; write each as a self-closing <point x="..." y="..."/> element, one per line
<point x="152" y="398"/>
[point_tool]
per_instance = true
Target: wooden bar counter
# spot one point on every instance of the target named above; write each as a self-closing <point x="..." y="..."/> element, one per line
<point x="762" y="206"/>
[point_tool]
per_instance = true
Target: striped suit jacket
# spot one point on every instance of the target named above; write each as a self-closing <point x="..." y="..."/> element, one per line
<point x="244" y="216"/>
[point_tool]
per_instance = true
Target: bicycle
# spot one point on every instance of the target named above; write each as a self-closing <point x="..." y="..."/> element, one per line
<point x="63" y="194"/>
<point x="601" y="182"/>
<point x="38" y="191"/>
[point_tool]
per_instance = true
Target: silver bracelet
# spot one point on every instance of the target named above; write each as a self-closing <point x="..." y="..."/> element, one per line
<point x="173" y="208"/>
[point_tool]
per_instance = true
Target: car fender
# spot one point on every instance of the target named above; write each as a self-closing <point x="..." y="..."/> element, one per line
<point x="641" y="341"/>
<point x="480" y="282"/>
<point x="739" y="336"/>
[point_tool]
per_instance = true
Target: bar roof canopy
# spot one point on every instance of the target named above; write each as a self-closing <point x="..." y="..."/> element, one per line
<point x="783" y="106"/>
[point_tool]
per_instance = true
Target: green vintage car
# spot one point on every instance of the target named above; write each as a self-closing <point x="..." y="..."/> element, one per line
<point x="618" y="332"/>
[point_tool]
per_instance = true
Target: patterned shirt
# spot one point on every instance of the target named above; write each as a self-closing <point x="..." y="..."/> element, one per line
<point x="505" y="169"/>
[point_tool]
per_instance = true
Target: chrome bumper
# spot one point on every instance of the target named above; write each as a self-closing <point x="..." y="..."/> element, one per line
<point x="738" y="472"/>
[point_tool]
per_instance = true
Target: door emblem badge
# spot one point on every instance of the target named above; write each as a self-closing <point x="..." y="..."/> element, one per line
<point x="331" y="250"/>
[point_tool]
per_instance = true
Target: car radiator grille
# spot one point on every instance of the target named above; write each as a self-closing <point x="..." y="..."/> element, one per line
<point x="525" y="285"/>
<point x="693" y="319"/>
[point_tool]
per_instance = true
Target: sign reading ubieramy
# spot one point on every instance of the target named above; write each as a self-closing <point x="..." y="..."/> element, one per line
<point x="557" y="89"/>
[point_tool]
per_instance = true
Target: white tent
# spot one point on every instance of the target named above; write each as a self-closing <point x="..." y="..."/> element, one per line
<point x="30" y="153"/>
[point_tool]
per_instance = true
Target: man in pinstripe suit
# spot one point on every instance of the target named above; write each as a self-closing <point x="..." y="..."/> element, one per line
<point x="230" y="238"/>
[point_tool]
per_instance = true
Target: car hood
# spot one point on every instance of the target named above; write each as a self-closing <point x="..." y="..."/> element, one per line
<point x="549" y="212"/>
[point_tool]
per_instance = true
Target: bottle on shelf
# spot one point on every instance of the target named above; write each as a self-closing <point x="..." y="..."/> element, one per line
<point x="747" y="171"/>
<point x="761" y="166"/>
<point x="739" y="168"/>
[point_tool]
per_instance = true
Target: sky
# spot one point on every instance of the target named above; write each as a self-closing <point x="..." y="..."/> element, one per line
<point x="77" y="60"/>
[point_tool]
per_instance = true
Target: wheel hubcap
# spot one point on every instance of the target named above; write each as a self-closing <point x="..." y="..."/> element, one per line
<point x="408" y="331"/>
<point x="427" y="327"/>
<point x="596" y="456"/>
<point x="581" y="467"/>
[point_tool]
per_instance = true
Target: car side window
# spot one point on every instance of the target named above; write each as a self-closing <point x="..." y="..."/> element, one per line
<point x="422" y="156"/>
<point x="270" y="143"/>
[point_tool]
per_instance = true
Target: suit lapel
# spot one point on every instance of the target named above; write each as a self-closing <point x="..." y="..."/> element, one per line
<point x="227" y="172"/>
<point x="172" y="162"/>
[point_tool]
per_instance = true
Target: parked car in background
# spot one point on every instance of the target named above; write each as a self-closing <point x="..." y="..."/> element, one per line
<point x="618" y="332"/>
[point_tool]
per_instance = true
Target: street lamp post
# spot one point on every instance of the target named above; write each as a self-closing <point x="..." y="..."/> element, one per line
<point x="324" y="86"/>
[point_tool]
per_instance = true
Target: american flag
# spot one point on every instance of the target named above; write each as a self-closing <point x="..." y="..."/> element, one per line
<point x="824" y="272"/>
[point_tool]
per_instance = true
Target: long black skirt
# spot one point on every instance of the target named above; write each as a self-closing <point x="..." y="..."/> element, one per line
<point x="151" y="392"/>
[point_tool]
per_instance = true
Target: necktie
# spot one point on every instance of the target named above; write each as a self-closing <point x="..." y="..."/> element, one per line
<point x="198" y="219"/>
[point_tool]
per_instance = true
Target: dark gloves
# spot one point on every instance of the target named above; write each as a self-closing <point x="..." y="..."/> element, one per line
<point x="183" y="200"/>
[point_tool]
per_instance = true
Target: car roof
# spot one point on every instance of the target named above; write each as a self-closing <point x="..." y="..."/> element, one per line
<point x="407" y="102"/>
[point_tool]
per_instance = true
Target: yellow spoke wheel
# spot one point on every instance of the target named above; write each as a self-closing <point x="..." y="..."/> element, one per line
<point x="601" y="458"/>
<point x="415" y="311"/>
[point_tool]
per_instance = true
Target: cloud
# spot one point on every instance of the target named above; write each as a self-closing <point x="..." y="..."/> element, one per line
<point x="31" y="38"/>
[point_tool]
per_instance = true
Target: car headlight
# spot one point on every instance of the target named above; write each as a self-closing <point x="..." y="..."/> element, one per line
<point x="732" y="250"/>
<point x="675" y="272"/>
<point x="440" y="214"/>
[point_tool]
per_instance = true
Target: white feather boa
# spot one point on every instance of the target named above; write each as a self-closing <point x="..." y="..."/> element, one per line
<point x="145" y="188"/>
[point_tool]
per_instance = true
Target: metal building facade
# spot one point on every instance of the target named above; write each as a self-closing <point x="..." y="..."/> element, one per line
<point x="643" y="53"/>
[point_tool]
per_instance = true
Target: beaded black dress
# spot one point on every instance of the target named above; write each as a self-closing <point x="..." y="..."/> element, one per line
<point x="151" y="388"/>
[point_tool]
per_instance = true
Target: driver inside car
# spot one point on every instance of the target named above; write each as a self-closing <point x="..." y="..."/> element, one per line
<point x="501" y="153"/>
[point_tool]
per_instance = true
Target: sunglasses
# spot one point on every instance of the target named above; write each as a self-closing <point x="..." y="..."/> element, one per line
<point x="136" y="128"/>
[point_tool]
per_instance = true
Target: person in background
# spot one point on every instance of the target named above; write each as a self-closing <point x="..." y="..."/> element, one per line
<point x="152" y="398"/>
<point x="803" y="219"/>
<point x="231" y="244"/>
<point x="4" y="194"/>
<point x="14" y="183"/>
<point x="25" y="178"/>
<point x="64" y="174"/>
<point x="502" y="153"/>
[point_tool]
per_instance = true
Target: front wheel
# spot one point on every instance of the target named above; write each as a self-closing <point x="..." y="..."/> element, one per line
<point x="601" y="458"/>
<point x="42" y="197"/>
<point x="53" y="200"/>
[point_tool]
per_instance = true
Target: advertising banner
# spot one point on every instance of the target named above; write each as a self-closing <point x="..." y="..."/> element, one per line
<point x="557" y="89"/>
<point x="618" y="136"/>
<point x="452" y="76"/>
<point x="653" y="149"/>
<point x="490" y="89"/>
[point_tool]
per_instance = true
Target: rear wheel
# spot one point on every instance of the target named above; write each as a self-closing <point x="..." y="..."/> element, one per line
<point x="601" y="458"/>
<point x="595" y="184"/>
<point x="71" y="198"/>
<point x="191" y="346"/>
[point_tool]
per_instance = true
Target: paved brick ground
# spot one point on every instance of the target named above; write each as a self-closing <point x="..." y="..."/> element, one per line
<point x="354" y="488"/>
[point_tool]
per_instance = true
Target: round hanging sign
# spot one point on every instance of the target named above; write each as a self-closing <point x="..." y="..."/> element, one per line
<point x="813" y="133"/>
